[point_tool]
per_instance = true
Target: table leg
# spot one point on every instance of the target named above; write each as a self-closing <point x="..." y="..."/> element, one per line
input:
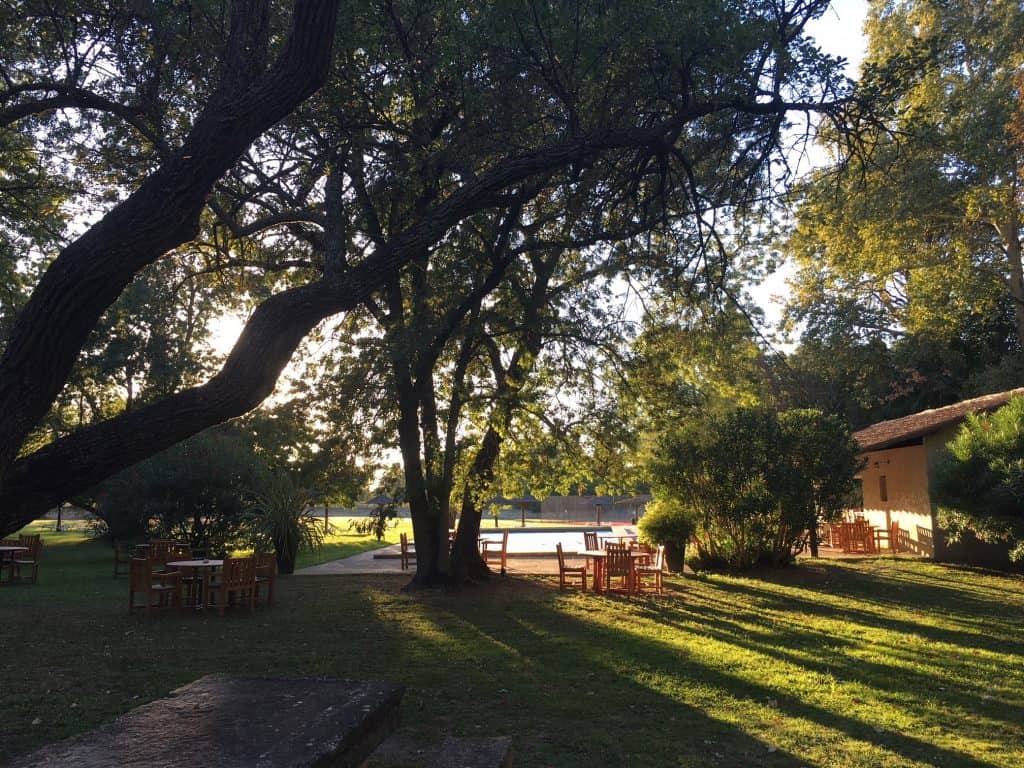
<point x="598" y="575"/>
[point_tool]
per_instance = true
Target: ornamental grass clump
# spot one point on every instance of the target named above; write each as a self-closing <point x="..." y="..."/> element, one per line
<point x="280" y="517"/>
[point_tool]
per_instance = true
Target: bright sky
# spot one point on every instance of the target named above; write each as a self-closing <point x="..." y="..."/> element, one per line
<point x="840" y="33"/>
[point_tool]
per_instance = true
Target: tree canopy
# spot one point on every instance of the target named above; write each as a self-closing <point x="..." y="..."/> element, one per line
<point x="197" y="128"/>
<point x="919" y="231"/>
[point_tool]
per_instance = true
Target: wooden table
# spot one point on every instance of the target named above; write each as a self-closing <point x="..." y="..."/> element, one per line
<point x="207" y="567"/>
<point x="7" y="551"/>
<point x="599" y="555"/>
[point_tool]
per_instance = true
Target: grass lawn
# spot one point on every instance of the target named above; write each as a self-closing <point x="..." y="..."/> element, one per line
<point x="855" y="663"/>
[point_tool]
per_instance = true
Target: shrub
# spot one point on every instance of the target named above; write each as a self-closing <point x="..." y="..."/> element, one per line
<point x="191" y="492"/>
<point x="755" y="482"/>
<point x="669" y="523"/>
<point x="979" y="480"/>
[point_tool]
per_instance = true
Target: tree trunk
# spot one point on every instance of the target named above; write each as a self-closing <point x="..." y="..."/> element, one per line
<point x="466" y="560"/>
<point x="1009" y="232"/>
<point x="90" y="273"/>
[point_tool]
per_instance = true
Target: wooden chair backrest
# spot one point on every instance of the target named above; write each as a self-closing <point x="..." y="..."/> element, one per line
<point x="266" y="563"/>
<point x="590" y="540"/>
<point x="561" y="557"/>
<point x="34" y="542"/>
<point x="238" y="572"/>
<point x="618" y="560"/>
<point x="659" y="557"/>
<point x="178" y="552"/>
<point x="159" y="549"/>
<point x="140" y="574"/>
<point x="403" y="542"/>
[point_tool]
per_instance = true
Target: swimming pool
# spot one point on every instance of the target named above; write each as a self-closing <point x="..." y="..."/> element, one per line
<point x="542" y="541"/>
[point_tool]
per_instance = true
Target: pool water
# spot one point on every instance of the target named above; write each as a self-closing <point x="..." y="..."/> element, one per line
<point x="542" y="541"/>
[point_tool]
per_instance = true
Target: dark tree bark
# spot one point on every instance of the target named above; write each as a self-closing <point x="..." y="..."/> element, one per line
<point x="89" y="275"/>
<point x="466" y="559"/>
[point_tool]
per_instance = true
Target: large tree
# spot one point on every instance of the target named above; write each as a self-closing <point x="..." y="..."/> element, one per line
<point x="921" y="228"/>
<point x="673" y="97"/>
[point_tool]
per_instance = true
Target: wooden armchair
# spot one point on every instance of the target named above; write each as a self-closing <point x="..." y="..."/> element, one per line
<point x="266" y="571"/>
<point x="653" y="569"/>
<point x="29" y="559"/>
<point x="157" y="550"/>
<point x="618" y="564"/>
<point x="161" y="590"/>
<point x="491" y="550"/>
<point x="590" y="540"/>
<point x="566" y="570"/>
<point x="237" y="577"/>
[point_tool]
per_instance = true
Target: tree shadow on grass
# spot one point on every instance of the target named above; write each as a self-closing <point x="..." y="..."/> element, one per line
<point x="832" y="657"/>
<point x="568" y="701"/>
<point x="926" y="585"/>
<point x="982" y="633"/>
<point x="630" y="655"/>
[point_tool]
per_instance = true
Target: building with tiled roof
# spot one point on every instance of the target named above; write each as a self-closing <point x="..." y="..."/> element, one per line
<point x="900" y="455"/>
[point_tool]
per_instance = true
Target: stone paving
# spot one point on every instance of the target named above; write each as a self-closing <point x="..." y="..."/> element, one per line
<point x="240" y="722"/>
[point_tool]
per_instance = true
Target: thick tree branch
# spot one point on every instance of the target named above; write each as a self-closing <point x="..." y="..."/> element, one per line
<point x="163" y="213"/>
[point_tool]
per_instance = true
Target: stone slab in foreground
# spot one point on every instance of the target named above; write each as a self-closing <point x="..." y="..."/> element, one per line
<point x="473" y="752"/>
<point x="236" y="722"/>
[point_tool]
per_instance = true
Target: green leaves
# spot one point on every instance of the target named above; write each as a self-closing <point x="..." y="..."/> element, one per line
<point x="755" y="481"/>
<point x="979" y="482"/>
<point x="921" y="224"/>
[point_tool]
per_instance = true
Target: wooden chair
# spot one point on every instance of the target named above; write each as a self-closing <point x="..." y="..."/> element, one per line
<point x="894" y="538"/>
<point x="266" y="570"/>
<point x="566" y="570"/>
<point x="122" y="556"/>
<point x="654" y="569"/>
<point x="237" y="577"/>
<point x="157" y="550"/>
<point x="403" y="540"/>
<point x="862" y="536"/>
<point x="647" y="549"/>
<point x="29" y="559"/>
<point x="7" y="560"/>
<point x="618" y="564"/>
<point x="590" y="542"/>
<point x="169" y="552"/>
<point x="492" y="550"/>
<point x="161" y="590"/>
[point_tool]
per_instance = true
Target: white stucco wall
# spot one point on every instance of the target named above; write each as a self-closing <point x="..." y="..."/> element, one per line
<point x="906" y="479"/>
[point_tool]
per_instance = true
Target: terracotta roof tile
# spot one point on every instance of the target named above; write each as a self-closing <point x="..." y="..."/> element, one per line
<point x="886" y="433"/>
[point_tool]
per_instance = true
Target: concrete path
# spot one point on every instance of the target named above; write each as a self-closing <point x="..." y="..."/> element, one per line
<point x="388" y="560"/>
